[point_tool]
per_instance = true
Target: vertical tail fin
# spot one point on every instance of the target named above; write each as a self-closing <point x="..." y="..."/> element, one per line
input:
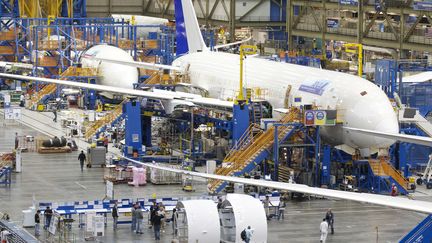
<point x="188" y="33"/>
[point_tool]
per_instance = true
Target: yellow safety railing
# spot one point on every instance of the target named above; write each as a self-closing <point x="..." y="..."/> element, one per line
<point x="51" y="88"/>
<point x="155" y="78"/>
<point x="395" y="174"/>
<point x="376" y="168"/>
<point x="107" y="119"/>
<point x="384" y="168"/>
<point x="46" y="90"/>
<point x="238" y="159"/>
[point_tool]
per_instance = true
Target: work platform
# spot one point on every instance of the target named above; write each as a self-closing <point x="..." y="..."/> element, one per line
<point x="253" y="148"/>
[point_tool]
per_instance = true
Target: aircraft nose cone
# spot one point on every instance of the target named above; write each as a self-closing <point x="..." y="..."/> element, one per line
<point x="374" y="112"/>
<point x="387" y="125"/>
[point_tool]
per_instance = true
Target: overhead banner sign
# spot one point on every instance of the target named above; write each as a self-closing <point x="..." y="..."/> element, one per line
<point x="422" y="6"/>
<point x="320" y="118"/>
<point x="332" y="23"/>
<point x="348" y="2"/>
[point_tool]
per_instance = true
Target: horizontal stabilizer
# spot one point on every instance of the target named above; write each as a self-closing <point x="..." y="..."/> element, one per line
<point x="232" y="44"/>
<point x="146" y="65"/>
<point x="426" y="141"/>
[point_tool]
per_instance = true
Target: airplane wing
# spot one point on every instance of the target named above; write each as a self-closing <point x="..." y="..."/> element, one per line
<point x="418" y="78"/>
<point x="426" y="141"/>
<point x="232" y="44"/>
<point x="146" y="65"/>
<point x="394" y="202"/>
<point x="158" y="94"/>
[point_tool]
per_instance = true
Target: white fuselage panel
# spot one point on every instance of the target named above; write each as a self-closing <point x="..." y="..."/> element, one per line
<point x="360" y="103"/>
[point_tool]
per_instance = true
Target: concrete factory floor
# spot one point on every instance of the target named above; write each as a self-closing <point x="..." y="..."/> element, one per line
<point x="57" y="178"/>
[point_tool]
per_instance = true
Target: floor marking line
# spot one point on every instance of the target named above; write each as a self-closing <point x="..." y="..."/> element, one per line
<point x="76" y="182"/>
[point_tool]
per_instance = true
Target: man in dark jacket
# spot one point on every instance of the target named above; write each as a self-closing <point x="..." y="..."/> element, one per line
<point x="48" y="215"/>
<point x="157" y="221"/>
<point x="153" y="209"/>
<point x="16" y="141"/>
<point x="82" y="158"/>
<point x="330" y="219"/>
<point x="37" y="223"/>
<point x="115" y="215"/>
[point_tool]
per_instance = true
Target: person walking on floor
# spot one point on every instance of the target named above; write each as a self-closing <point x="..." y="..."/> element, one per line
<point x="174" y="221"/>
<point x="330" y="219"/>
<point x="48" y="215"/>
<point x="267" y="204"/>
<point x="162" y="213"/>
<point x="22" y="100"/>
<point x="157" y="220"/>
<point x="219" y="205"/>
<point x="115" y="215"/>
<point x="153" y="211"/>
<point x="82" y="158"/>
<point x="105" y="143"/>
<point x="54" y="111"/>
<point x="139" y="219"/>
<point x="114" y="137"/>
<point x="324" y="230"/>
<point x="37" y="223"/>
<point x="281" y="209"/>
<point x="133" y="224"/>
<point x="16" y="141"/>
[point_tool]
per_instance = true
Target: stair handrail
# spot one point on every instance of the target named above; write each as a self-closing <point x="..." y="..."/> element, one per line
<point x="153" y="79"/>
<point x="395" y="174"/>
<point x="242" y="142"/>
<point x="260" y="141"/>
<point x="110" y="117"/>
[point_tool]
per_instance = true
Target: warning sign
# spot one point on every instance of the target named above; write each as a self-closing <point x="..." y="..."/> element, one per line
<point x="320" y="118"/>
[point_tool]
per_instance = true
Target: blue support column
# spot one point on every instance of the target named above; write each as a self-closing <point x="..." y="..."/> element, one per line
<point x="133" y="134"/>
<point x="325" y="172"/>
<point x="146" y="130"/>
<point x="404" y="149"/>
<point x="241" y="121"/>
<point x="317" y="155"/>
<point x="91" y="96"/>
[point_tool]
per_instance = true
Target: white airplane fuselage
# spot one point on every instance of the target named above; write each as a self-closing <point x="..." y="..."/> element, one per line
<point x="360" y="103"/>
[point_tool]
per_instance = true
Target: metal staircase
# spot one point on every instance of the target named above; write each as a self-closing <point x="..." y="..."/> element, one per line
<point x="154" y="79"/>
<point x="113" y="116"/>
<point x="284" y="174"/>
<point x="49" y="89"/>
<point x="257" y="112"/>
<point x="253" y="147"/>
<point x="39" y="97"/>
<point x="384" y="171"/>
